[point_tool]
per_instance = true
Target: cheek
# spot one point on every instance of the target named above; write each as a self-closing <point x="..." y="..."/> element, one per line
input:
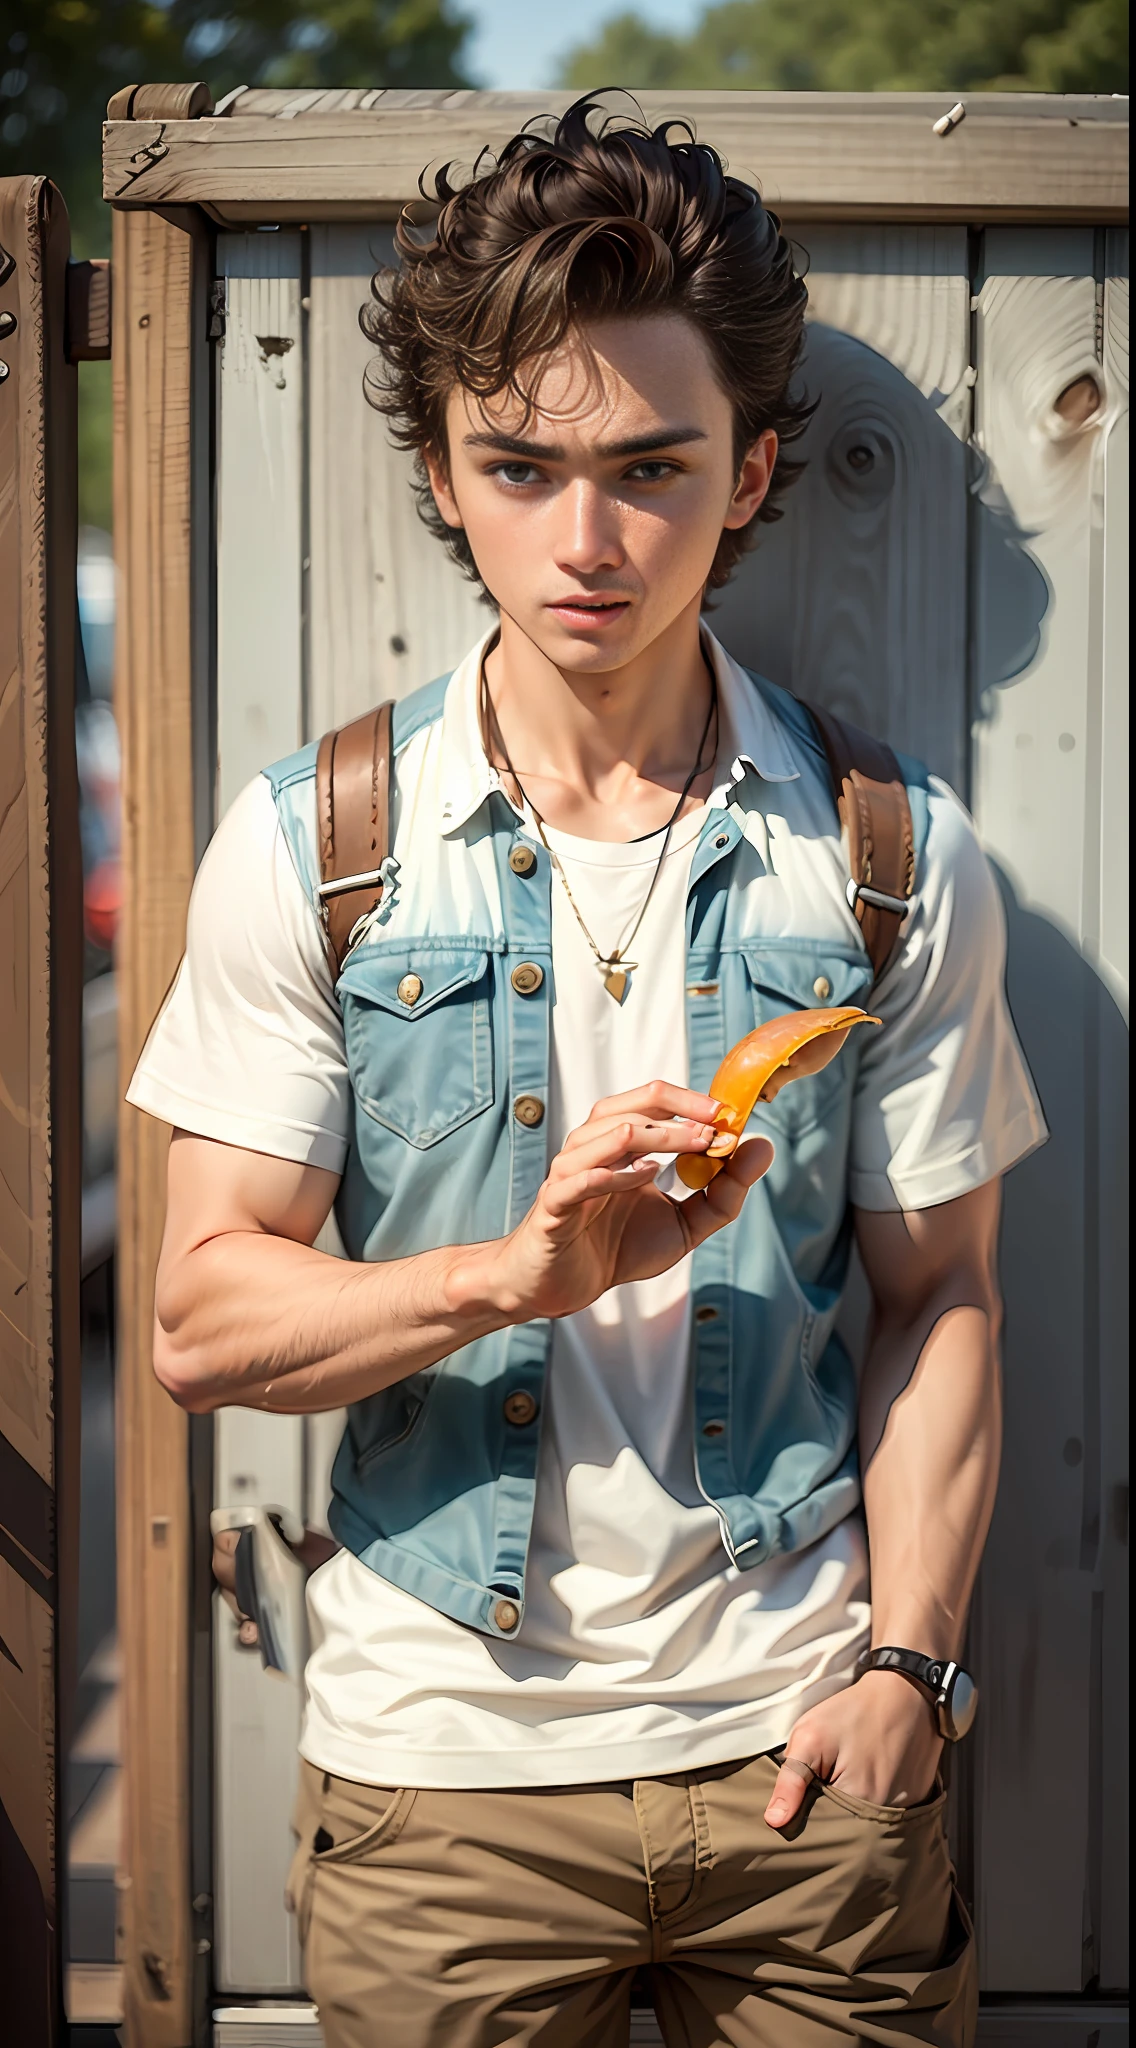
<point x="681" y="531"/>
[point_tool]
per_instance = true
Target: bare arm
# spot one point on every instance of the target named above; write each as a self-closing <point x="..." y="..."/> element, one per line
<point x="930" y="1440"/>
<point x="247" y="1313"/>
<point x="930" y="1414"/>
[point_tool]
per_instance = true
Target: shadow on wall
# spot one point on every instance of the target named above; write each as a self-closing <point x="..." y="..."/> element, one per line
<point x="862" y="598"/>
<point x="900" y="590"/>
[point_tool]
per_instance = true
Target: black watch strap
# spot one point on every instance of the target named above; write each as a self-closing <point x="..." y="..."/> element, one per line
<point x="925" y="1672"/>
<point x="949" y="1690"/>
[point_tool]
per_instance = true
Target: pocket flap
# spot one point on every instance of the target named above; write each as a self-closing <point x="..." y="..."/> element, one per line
<point x="438" y="972"/>
<point x="792" y="972"/>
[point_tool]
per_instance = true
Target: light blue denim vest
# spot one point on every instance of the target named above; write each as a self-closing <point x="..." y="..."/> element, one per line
<point x="433" y="1484"/>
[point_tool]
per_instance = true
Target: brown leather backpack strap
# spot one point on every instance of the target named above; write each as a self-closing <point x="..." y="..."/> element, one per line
<point x="353" y="772"/>
<point x="875" y="812"/>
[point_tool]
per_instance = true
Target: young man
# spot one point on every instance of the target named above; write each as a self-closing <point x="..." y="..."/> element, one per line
<point x="581" y="1693"/>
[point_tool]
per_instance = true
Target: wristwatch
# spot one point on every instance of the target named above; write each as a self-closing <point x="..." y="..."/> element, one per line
<point x="951" y="1691"/>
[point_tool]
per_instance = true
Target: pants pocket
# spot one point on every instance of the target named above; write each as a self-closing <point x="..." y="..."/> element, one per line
<point x="338" y="1822"/>
<point x="891" y="1816"/>
<point x="357" y="1820"/>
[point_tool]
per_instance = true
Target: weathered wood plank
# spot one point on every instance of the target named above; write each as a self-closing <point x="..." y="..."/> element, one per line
<point x="905" y="291"/>
<point x="153" y="314"/>
<point x="259" y="514"/>
<point x="388" y="609"/>
<point x="259" y="1461"/>
<point x="857" y="598"/>
<point x="834" y="156"/>
<point x="40" y="1110"/>
<point x="1044" y="1618"/>
<point x="1112" y="1274"/>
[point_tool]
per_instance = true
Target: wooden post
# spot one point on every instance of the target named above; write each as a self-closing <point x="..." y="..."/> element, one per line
<point x="153" y="383"/>
<point x="40" y="1115"/>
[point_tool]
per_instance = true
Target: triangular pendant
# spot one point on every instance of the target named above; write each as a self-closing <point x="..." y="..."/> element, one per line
<point x="615" y="982"/>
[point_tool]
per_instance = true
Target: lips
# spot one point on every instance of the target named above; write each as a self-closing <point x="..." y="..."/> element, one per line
<point x="589" y="611"/>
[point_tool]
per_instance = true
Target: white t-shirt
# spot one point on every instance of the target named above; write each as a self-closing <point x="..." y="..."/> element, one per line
<point x="643" y="1651"/>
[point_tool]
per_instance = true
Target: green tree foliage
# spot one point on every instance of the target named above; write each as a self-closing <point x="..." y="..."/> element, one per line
<point x="870" y="46"/>
<point x="60" y="60"/>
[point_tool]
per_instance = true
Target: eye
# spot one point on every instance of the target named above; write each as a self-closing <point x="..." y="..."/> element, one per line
<point x="653" y="470"/>
<point x="515" y="474"/>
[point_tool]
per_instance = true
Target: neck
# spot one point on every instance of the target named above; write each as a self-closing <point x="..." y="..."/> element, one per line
<point x="600" y="753"/>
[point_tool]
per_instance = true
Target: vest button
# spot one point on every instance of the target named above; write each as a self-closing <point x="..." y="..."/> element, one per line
<point x="822" y="988"/>
<point x="519" y="1408"/>
<point x="713" y="1428"/>
<point x="409" y="990"/>
<point x="506" y="1616"/>
<point x="706" y="1314"/>
<point x="529" y="1110"/>
<point x="527" y="978"/>
<point x="522" y="860"/>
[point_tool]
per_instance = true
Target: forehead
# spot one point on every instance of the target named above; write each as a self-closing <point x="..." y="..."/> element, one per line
<point x="649" y="369"/>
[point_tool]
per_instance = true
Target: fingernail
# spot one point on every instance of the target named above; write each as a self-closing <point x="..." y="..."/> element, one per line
<point x="775" y="1815"/>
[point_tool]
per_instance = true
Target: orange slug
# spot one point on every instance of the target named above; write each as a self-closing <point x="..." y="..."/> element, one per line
<point x="785" y="1049"/>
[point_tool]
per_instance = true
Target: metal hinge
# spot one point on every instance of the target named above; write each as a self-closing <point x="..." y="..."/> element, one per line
<point x="218" y="307"/>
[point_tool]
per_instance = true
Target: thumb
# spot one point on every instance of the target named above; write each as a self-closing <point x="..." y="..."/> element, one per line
<point x="788" y="1796"/>
<point x="753" y="1158"/>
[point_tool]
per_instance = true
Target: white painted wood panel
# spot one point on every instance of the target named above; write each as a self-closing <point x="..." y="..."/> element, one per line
<point x="915" y="584"/>
<point x="1044" y="1623"/>
<point x="906" y="292"/>
<point x="1111" y="1588"/>
<point x="389" y="609"/>
<point x="856" y="599"/>
<point x="260" y="427"/>
<point x="258" y="1459"/>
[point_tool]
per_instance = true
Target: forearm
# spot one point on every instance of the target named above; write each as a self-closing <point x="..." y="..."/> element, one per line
<point x="249" y="1319"/>
<point x="930" y="1441"/>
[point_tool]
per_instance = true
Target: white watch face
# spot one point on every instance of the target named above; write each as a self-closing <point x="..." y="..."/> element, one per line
<point x="962" y="1704"/>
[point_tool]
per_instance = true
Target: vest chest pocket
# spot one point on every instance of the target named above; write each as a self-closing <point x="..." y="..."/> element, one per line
<point x="419" y="1035"/>
<point x="798" y="975"/>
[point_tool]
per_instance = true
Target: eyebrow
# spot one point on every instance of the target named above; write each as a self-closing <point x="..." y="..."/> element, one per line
<point x="546" y="451"/>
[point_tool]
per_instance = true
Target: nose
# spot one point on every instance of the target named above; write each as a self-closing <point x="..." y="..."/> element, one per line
<point x="589" y="541"/>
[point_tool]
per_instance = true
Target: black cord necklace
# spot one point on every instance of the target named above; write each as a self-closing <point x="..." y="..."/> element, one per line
<point x="615" y="967"/>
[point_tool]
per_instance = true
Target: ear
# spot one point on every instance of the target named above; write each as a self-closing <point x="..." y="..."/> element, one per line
<point x="441" y="489"/>
<point x="754" y="479"/>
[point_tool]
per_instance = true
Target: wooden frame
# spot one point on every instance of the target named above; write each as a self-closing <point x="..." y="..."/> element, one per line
<point x="171" y="167"/>
<point x="41" y="939"/>
<point x="158" y="337"/>
<point x="833" y="156"/>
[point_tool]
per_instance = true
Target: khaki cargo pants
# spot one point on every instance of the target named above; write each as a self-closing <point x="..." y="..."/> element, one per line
<point x="473" y="1919"/>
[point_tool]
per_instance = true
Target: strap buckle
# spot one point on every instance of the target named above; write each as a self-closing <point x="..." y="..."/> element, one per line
<point x="859" y="891"/>
<point x="341" y="885"/>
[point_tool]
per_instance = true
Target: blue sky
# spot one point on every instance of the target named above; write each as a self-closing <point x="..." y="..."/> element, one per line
<point x="516" y="43"/>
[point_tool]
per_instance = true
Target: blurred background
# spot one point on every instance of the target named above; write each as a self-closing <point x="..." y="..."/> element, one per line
<point x="59" y="62"/>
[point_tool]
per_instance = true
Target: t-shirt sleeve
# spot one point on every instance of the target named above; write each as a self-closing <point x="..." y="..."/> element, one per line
<point x="248" y="1046"/>
<point x="944" y="1099"/>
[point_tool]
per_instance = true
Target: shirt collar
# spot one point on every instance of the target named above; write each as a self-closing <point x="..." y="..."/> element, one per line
<point x="752" y="737"/>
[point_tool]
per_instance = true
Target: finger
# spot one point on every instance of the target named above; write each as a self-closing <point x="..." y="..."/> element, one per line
<point x="625" y="1139"/>
<point x="561" y="1197"/>
<point x="666" y="1134"/>
<point x="224" y="1558"/>
<point x="789" y="1791"/>
<point x="247" y="1635"/>
<point x="659" y="1099"/>
<point x="722" y="1201"/>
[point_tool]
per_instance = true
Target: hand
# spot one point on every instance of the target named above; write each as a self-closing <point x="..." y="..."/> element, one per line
<point x="877" y="1740"/>
<point x="599" y="1220"/>
<point x="312" y="1551"/>
<point x="225" y="1572"/>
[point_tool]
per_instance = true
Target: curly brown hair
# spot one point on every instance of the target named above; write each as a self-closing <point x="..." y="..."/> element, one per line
<point x="584" y="218"/>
